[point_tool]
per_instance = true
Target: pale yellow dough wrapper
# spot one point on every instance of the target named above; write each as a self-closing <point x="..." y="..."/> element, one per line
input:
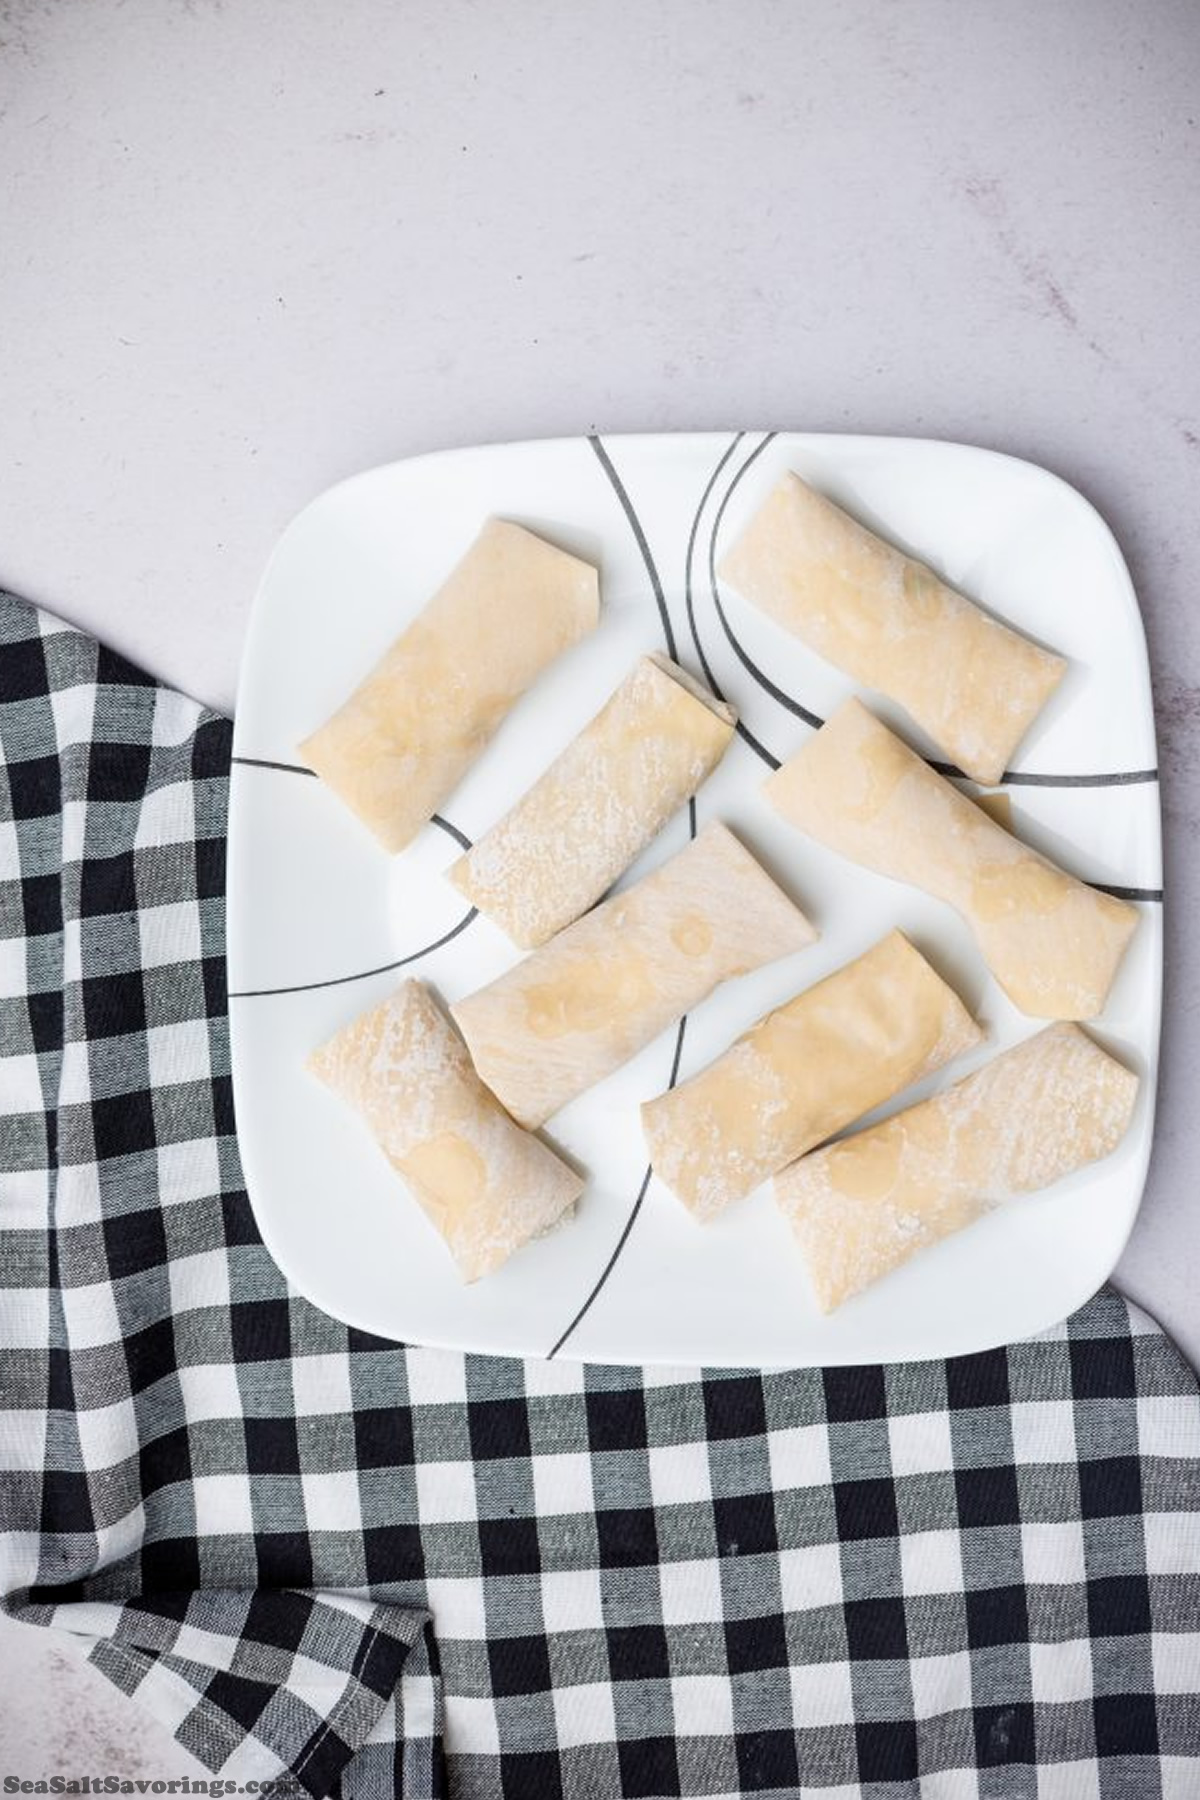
<point x="487" y="1186"/>
<point x="595" y="995"/>
<point x="861" y="1207"/>
<point x="406" y="737"/>
<point x="805" y="1071"/>
<point x="973" y="684"/>
<point x="1053" y="943"/>
<point x="598" y="805"/>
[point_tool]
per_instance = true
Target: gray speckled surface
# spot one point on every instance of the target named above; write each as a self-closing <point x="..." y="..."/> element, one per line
<point x="251" y="249"/>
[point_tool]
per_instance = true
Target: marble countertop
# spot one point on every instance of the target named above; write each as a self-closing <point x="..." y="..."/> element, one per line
<point x="252" y="249"/>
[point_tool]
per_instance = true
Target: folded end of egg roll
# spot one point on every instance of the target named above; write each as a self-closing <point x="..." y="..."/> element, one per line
<point x="485" y="1185"/>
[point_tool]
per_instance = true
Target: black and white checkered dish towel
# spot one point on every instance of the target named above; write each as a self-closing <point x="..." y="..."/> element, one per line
<point x="387" y="1571"/>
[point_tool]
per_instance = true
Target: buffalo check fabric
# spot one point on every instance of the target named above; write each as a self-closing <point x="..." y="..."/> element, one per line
<point x="372" y="1571"/>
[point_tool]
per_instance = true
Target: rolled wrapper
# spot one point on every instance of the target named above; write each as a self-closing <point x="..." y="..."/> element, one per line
<point x="803" y="1072"/>
<point x="973" y="684"/>
<point x="1053" y="943"/>
<point x="595" y="995"/>
<point x="861" y="1207"/>
<point x="610" y="792"/>
<point x="486" y="1185"/>
<point x="406" y="737"/>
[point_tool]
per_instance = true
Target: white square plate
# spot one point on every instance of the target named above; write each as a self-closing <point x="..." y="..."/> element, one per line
<point x="321" y="921"/>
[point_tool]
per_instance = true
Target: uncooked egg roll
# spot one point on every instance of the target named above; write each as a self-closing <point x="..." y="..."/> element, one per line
<point x="598" y="805"/>
<point x="861" y="1207"/>
<point x="406" y="737"/>
<point x="486" y="1185"/>
<point x="805" y="1071"/>
<point x="595" y="995"/>
<point x="974" y="684"/>
<point x="1053" y="943"/>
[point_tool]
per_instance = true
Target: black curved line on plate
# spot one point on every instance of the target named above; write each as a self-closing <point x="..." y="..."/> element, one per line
<point x="1127" y="893"/>
<point x="640" y="538"/>
<point x="611" y="1264"/>
<point x="1121" y="778"/>
<point x="1011" y="778"/>
<point x="742" y="729"/>
<point x="689" y="603"/>
<point x="764" y="681"/>
<point x="307" y="987"/>
<point x="460" y="837"/>
<point x="635" y="526"/>
<point x="260" y="762"/>
<point x="608" y="1267"/>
